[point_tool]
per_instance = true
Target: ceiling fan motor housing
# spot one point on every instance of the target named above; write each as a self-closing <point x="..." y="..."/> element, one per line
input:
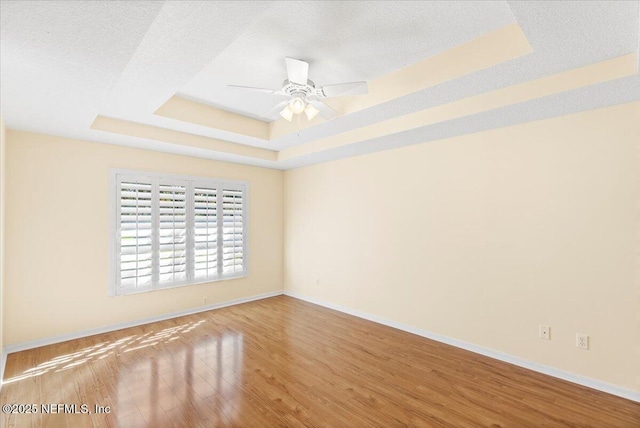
<point x="302" y="91"/>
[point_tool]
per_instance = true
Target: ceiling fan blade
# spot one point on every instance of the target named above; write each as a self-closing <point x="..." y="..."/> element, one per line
<point x="344" y="89"/>
<point x="252" y="89"/>
<point x="297" y="71"/>
<point x="275" y="109"/>
<point x="325" y="111"/>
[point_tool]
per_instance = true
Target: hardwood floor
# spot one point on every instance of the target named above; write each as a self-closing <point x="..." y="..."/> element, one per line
<point x="284" y="362"/>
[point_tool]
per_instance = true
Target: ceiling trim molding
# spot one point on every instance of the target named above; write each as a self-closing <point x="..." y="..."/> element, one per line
<point x="187" y="110"/>
<point x="621" y="92"/>
<point x="148" y="132"/>
<point x="615" y="68"/>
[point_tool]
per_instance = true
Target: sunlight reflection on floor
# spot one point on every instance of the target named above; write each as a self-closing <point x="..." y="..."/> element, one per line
<point x="126" y="344"/>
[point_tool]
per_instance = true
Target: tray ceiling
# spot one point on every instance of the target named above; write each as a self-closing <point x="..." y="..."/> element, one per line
<point x="153" y="75"/>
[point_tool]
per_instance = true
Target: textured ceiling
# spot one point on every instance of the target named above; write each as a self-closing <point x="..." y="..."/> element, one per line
<point x="342" y="41"/>
<point x="59" y="59"/>
<point x="64" y="63"/>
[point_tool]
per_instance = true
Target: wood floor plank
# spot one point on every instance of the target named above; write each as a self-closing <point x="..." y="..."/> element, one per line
<point x="285" y="362"/>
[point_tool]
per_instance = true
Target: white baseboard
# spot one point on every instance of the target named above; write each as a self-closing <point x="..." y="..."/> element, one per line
<point x="77" y="335"/>
<point x="548" y="370"/>
<point x="540" y="368"/>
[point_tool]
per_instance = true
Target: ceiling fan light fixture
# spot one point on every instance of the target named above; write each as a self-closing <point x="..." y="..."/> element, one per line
<point x="299" y="89"/>
<point x="286" y="113"/>
<point x="297" y="105"/>
<point x="310" y="111"/>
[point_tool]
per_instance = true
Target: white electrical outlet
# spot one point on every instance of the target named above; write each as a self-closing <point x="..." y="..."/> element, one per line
<point x="545" y="332"/>
<point x="582" y="341"/>
<point x="317" y="282"/>
<point x="204" y="300"/>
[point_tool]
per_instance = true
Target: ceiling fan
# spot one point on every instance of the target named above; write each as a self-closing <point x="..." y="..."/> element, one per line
<point x="303" y="95"/>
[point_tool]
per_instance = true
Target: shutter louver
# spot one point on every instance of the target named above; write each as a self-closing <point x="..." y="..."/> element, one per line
<point x="172" y="236"/>
<point x="232" y="231"/>
<point x="135" y="224"/>
<point x="205" y="236"/>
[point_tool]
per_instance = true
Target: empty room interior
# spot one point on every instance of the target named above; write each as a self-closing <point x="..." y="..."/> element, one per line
<point x="320" y="213"/>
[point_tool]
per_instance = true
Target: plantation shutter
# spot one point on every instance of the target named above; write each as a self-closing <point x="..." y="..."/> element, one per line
<point x="205" y="232"/>
<point x="170" y="231"/>
<point x="172" y="236"/>
<point x="135" y="234"/>
<point x="232" y="231"/>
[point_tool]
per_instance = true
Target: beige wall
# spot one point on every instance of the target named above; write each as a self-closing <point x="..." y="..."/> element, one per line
<point x="57" y="236"/>
<point x="2" y="255"/>
<point x="484" y="237"/>
<point x="480" y="238"/>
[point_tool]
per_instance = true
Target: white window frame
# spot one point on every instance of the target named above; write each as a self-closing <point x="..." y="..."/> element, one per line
<point x="115" y="174"/>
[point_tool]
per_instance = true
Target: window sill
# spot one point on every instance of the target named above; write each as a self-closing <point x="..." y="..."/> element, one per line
<point x="163" y="287"/>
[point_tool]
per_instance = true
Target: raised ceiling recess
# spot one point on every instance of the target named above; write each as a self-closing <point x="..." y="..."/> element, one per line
<point x="161" y="75"/>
